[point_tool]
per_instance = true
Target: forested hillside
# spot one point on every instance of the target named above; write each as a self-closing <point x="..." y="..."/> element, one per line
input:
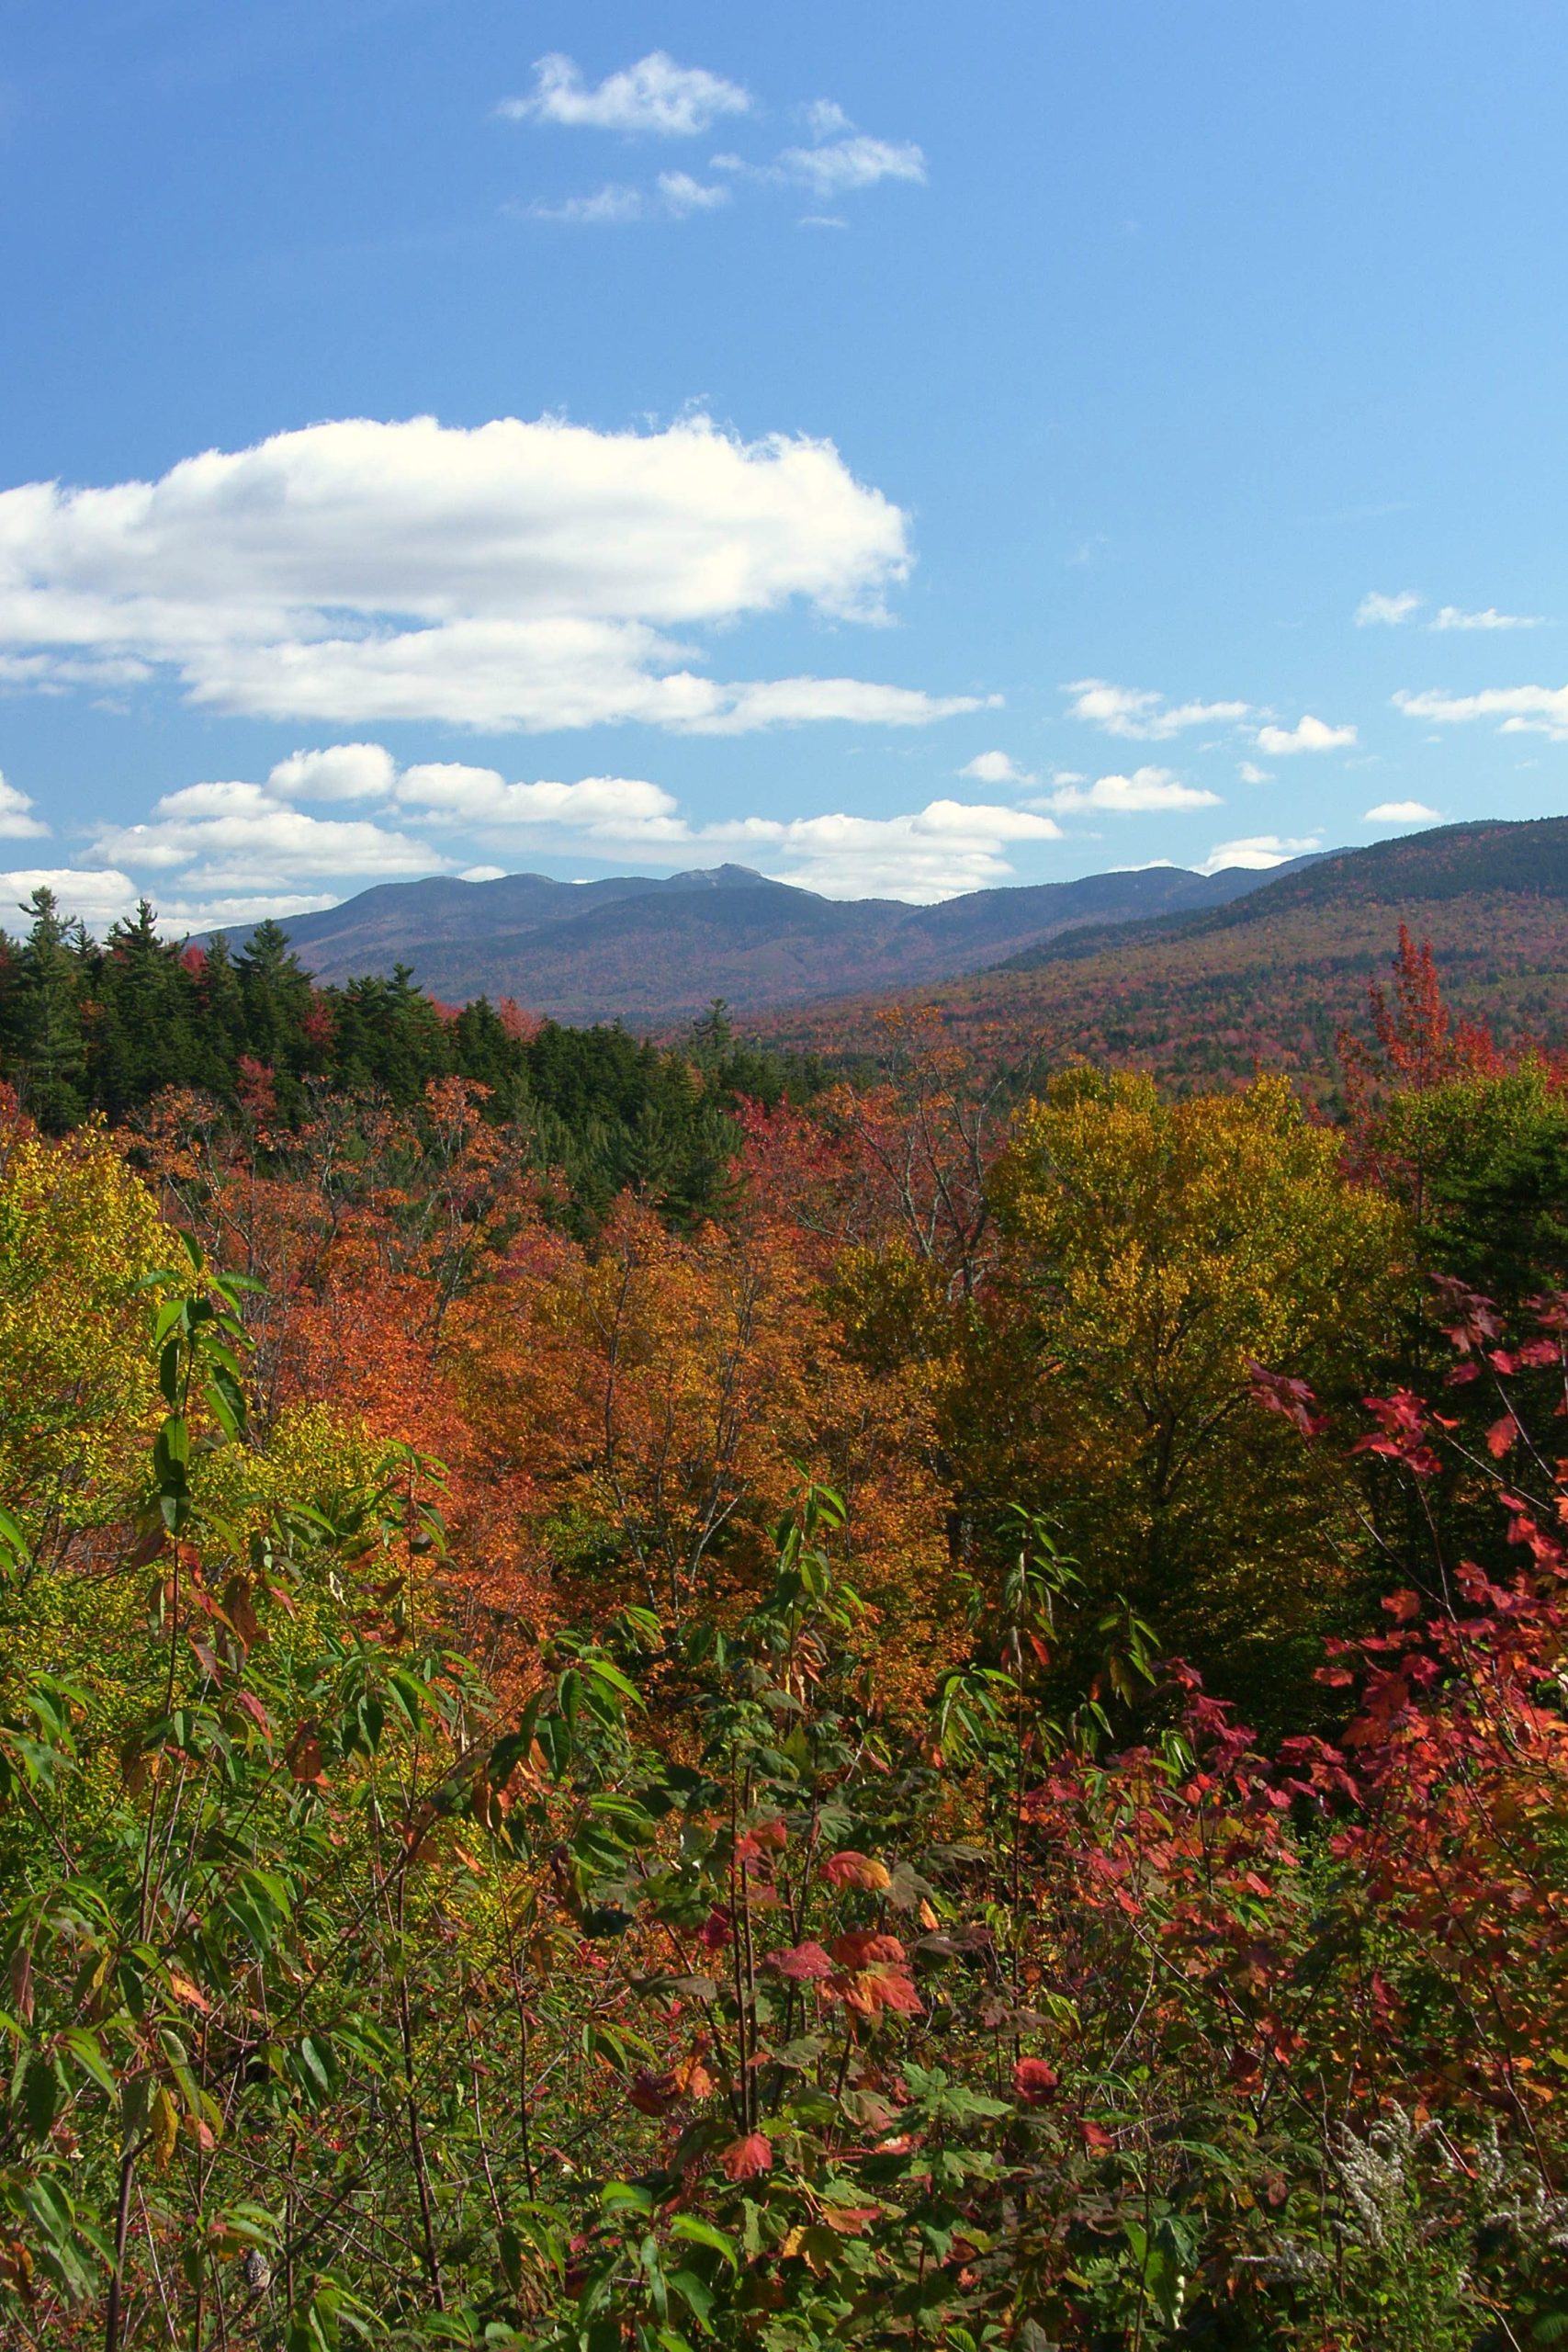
<point x="952" y="1736"/>
<point x="89" y="1027"/>
<point x="1266" y="982"/>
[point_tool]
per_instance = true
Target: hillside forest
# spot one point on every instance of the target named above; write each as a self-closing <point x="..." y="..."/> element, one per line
<point x="661" y="1697"/>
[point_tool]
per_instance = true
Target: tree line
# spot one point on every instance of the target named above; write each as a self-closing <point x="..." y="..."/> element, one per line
<point x="106" y="1026"/>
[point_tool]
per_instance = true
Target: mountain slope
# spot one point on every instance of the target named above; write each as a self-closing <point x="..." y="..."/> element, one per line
<point x="651" y="951"/>
<point x="1271" y="978"/>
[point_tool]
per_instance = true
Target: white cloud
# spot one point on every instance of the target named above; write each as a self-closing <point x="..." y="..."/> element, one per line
<point x="825" y="118"/>
<point x="101" y="896"/>
<point x="782" y="702"/>
<point x="821" y="220"/>
<point x="1308" y="734"/>
<point x="230" y="837"/>
<point x="655" y="96"/>
<point x="935" y="852"/>
<point x="247" y="850"/>
<point x="15" y="819"/>
<point x="1146" y="790"/>
<point x="854" y="162"/>
<point x="684" y="195"/>
<point x="621" y="809"/>
<point x="1250" y="772"/>
<point x="237" y="913"/>
<point x="606" y="208"/>
<point x="514" y="575"/>
<point x="1377" y="611"/>
<point x="674" y="194"/>
<point x="1523" y="711"/>
<point x="1141" y="716"/>
<point x="1402" y="812"/>
<point x="1451" y="616"/>
<point x="98" y="895"/>
<point x="49" y="674"/>
<point x="342" y="772"/>
<point x="1256" y="852"/>
<point x="996" y="767"/>
<point x="483" y="874"/>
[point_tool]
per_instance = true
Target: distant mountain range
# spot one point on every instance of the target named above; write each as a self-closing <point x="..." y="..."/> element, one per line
<point x="1212" y="993"/>
<point x="654" y="952"/>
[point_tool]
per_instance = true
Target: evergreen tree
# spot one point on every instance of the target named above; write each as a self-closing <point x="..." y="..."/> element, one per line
<point x="220" y="1036"/>
<point x="389" y="1035"/>
<point x="275" y="992"/>
<point x="143" y="1033"/>
<point x="46" y="1046"/>
<point x="486" y="1053"/>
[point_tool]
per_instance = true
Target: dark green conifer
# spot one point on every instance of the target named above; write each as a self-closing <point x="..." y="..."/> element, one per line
<point x="46" y="1049"/>
<point x="143" y="1033"/>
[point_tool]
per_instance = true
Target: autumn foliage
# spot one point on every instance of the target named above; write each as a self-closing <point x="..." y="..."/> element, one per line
<point x="965" y="1745"/>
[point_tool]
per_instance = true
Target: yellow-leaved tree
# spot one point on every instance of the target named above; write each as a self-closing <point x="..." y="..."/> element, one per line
<point x="1153" y="1252"/>
<point x="78" y="1235"/>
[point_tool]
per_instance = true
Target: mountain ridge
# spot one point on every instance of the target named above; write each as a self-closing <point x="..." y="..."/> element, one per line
<point x="650" y="950"/>
<point x="1207" y="995"/>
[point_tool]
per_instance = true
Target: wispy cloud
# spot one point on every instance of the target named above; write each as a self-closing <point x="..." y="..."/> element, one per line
<point x="1520" y="710"/>
<point x="1308" y="734"/>
<point x="1450" y="617"/>
<point x="1142" y="716"/>
<point x="655" y="96"/>
<point x="605" y="207"/>
<point x="674" y="196"/>
<point x="1250" y="772"/>
<point x="825" y="118"/>
<point x="1377" y="611"/>
<point x="855" y="162"/>
<point x="681" y="194"/>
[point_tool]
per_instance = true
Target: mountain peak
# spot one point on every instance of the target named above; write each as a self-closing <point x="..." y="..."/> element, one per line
<point x="722" y="878"/>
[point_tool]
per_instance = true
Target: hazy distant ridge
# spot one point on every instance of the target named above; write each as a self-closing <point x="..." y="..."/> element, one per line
<point x="649" y="950"/>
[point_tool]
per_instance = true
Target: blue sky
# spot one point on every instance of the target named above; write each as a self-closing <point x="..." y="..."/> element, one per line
<point x="896" y="447"/>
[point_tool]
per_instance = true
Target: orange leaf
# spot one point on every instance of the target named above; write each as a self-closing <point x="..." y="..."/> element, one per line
<point x="849" y="1869"/>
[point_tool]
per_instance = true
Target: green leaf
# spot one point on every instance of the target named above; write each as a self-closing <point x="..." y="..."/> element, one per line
<point x="615" y="2195"/>
<point x="686" y="2225"/>
<point x="694" y="2293"/>
<point x="41" y="2096"/>
<point x="87" y="2050"/>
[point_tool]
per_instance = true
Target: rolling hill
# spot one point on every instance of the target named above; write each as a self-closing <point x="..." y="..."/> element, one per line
<point x="655" y="952"/>
<point x="1268" y="979"/>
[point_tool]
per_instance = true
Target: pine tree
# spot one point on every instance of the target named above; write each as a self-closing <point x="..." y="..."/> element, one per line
<point x="144" y="1034"/>
<point x="46" y="1046"/>
<point x="220" y="1024"/>
<point x="276" y="991"/>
